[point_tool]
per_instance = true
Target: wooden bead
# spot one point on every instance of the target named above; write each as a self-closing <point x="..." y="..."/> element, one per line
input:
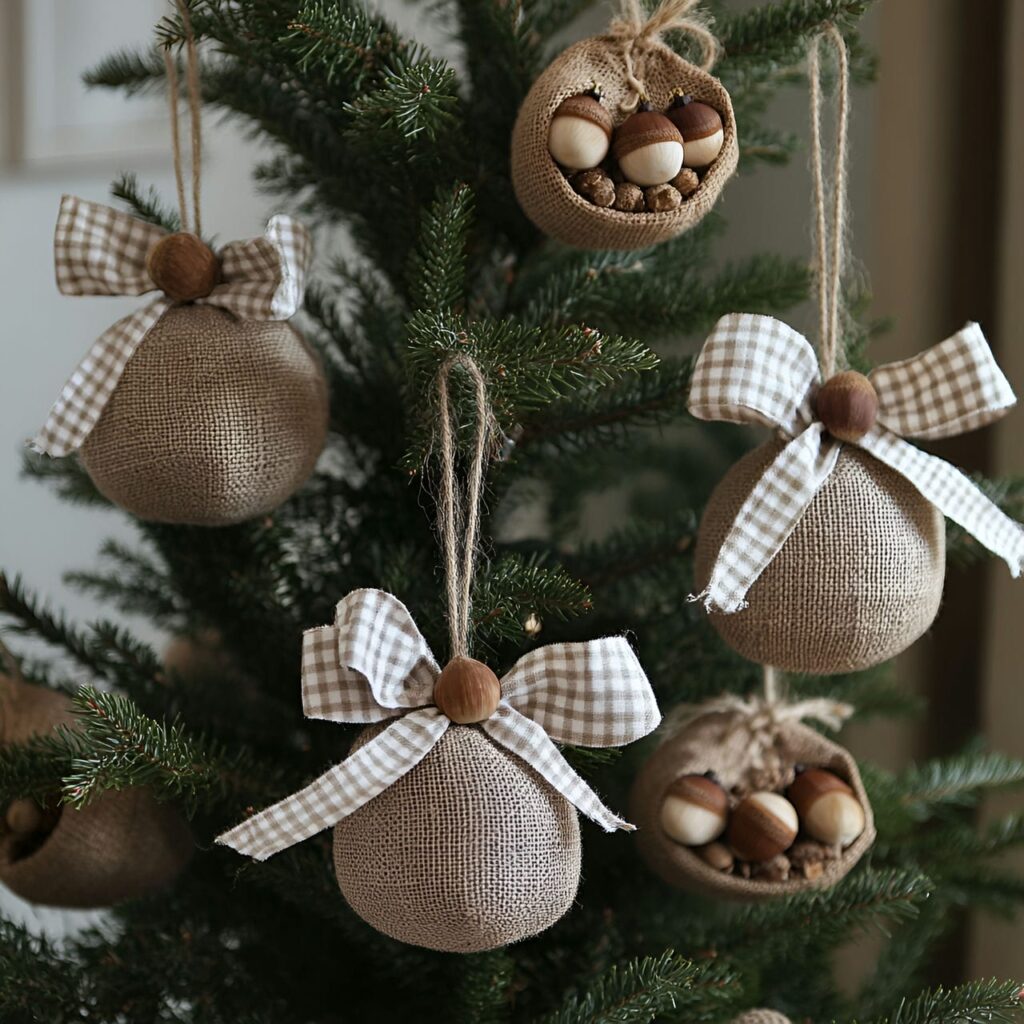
<point x="828" y="808"/>
<point x="183" y="267"/>
<point x="694" y="810"/>
<point x="762" y="826"/>
<point x="23" y="816"/>
<point x="848" y="405"/>
<point x="467" y="691"/>
<point x="701" y="128"/>
<point x="580" y="132"/>
<point x="717" y="855"/>
<point x="648" y="148"/>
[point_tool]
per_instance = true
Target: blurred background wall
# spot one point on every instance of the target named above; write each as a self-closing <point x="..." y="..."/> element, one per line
<point x="938" y="223"/>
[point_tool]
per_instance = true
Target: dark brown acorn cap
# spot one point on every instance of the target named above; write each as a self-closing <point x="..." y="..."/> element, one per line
<point x="588" y="108"/>
<point x="695" y="120"/>
<point x="644" y="128"/>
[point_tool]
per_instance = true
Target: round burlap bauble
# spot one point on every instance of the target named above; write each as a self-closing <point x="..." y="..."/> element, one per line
<point x="469" y="851"/>
<point x="215" y="420"/>
<point x="761" y="1017"/>
<point x="719" y="743"/>
<point x="121" y="846"/>
<point x="857" y="581"/>
<point x="542" y="189"/>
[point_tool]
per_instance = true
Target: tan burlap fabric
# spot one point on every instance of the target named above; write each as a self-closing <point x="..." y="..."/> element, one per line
<point x="858" y="580"/>
<point x="215" y="420"/>
<point x="121" y="846"/>
<point x="546" y="196"/>
<point x="469" y="851"/>
<point x="761" y="1017"/>
<point x="716" y="743"/>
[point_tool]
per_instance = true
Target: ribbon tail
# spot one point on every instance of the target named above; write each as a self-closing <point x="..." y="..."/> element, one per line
<point x="954" y="494"/>
<point x="85" y="395"/>
<point x="768" y="517"/>
<point x="341" y="790"/>
<point x="529" y="741"/>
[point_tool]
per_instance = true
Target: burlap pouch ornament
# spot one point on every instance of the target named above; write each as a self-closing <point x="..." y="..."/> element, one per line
<point x="824" y="550"/>
<point x="628" y="63"/>
<point x="205" y="406"/>
<point x="455" y="814"/>
<point x="761" y="1017"/>
<point x="121" y="846"/>
<point x="750" y="745"/>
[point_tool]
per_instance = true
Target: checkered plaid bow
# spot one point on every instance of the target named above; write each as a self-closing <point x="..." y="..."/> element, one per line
<point x="102" y="251"/>
<point x="755" y="369"/>
<point x="373" y="665"/>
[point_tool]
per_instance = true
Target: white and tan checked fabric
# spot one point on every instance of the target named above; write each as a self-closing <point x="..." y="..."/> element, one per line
<point x="373" y="664"/>
<point x="102" y="251"/>
<point x="754" y="369"/>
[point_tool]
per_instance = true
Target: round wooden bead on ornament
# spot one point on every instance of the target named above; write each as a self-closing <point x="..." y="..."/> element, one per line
<point x="581" y="131"/>
<point x="701" y="128"/>
<point x="467" y="691"/>
<point x="694" y="810"/>
<point x="828" y="809"/>
<point x="847" y="405"/>
<point x="648" y="148"/>
<point x="762" y="826"/>
<point x="183" y="267"/>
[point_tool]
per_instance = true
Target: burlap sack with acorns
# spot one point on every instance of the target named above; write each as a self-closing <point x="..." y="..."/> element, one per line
<point x="470" y="850"/>
<point x="721" y="743"/>
<point x="545" y="194"/>
<point x="214" y="420"/>
<point x="857" y="581"/>
<point x="121" y="846"/>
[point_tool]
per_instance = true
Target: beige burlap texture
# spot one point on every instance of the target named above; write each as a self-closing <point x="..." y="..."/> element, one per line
<point x="121" y="846"/>
<point x="470" y="850"/>
<point x="721" y="743"/>
<point x="857" y="581"/>
<point x="215" y="420"/>
<point x="761" y="1017"/>
<point x="542" y="189"/>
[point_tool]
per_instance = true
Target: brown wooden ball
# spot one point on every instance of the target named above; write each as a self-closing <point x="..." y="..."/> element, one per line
<point x="828" y="808"/>
<point x="467" y="691"/>
<point x="183" y="267"/>
<point x="701" y="128"/>
<point x="848" y="405"/>
<point x="648" y="148"/>
<point x="762" y="826"/>
<point x="24" y="816"/>
<point x="694" y="810"/>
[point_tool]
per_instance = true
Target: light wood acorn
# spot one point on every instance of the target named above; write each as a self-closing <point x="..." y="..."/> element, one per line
<point x="467" y="691"/>
<point x="694" y="810"/>
<point x="762" y="826"/>
<point x="183" y="267"/>
<point x="828" y="809"/>
<point x="648" y="148"/>
<point x="23" y="816"/>
<point x="848" y="405"/>
<point x="580" y="132"/>
<point x="701" y="128"/>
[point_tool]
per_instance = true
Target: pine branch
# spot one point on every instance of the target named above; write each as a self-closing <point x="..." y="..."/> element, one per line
<point x="484" y="992"/>
<point x="146" y="206"/>
<point x="68" y="476"/>
<point x="978" y="1002"/>
<point x="961" y="548"/>
<point x="437" y="267"/>
<point x="958" y="781"/>
<point x="38" y="982"/>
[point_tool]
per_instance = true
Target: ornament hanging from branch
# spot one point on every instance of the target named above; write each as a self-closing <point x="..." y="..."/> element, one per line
<point x="455" y="814"/>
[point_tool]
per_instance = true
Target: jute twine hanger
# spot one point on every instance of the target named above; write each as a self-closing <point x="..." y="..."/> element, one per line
<point x="195" y="123"/>
<point x="638" y="34"/>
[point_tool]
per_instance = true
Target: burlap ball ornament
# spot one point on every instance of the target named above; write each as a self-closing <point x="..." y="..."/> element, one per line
<point x="748" y="748"/>
<point x="627" y="64"/>
<point x="121" y="846"/>
<point x="761" y="1017"/>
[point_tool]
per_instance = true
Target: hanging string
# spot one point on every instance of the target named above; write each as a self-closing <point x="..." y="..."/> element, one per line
<point x="829" y="238"/>
<point x="638" y="33"/>
<point x="461" y="518"/>
<point x="772" y="685"/>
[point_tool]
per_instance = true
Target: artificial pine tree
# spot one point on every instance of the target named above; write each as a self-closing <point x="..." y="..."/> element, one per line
<point x="412" y="156"/>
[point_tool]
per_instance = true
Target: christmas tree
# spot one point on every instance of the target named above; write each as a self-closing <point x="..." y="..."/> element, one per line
<point x="587" y="356"/>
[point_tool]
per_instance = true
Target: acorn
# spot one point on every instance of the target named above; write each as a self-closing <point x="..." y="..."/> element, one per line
<point x="648" y="147"/>
<point x="701" y="128"/>
<point x="694" y="810"/>
<point x="23" y="816"/>
<point x="762" y="826"/>
<point x="717" y="855"/>
<point x="848" y="405"/>
<point x="580" y="132"/>
<point x="828" y="809"/>
<point x="467" y="691"/>
<point x="183" y="267"/>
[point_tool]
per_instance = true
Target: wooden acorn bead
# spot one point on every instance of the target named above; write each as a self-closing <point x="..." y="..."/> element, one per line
<point x="701" y="128"/>
<point x="762" y="826"/>
<point x="694" y="810"/>
<point x="580" y="132"/>
<point x="848" y="405"/>
<point x="23" y="816"/>
<point x="648" y="148"/>
<point x="467" y="691"/>
<point x="183" y="267"/>
<point x="828" y="809"/>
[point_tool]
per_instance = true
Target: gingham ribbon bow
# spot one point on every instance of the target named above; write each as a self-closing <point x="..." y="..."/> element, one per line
<point x="755" y="369"/>
<point x="102" y="251"/>
<point x="373" y="665"/>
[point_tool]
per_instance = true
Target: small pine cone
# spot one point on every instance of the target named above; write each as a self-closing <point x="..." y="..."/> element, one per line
<point x="686" y="181"/>
<point x="661" y="198"/>
<point x="774" y="870"/>
<point x="596" y="186"/>
<point x="809" y="851"/>
<point x="629" y="198"/>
